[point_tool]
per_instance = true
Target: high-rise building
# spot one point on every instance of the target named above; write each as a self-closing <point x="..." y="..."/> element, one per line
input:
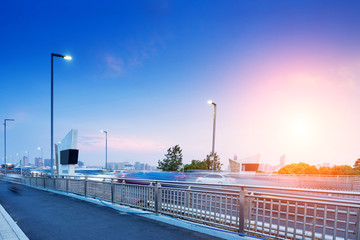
<point x="47" y="162"/>
<point x="38" y="162"/>
<point x="137" y="166"/>
<point x="142" y="166"/>
<point x="25" y="161"/>
<point x="147" y="167"/>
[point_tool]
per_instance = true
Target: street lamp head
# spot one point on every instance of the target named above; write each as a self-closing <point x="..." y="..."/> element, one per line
<point x="67" y="57"/>
<point x="211" y="102"/>
<point x="103" y="131"/>
<point x="39" y="148"/>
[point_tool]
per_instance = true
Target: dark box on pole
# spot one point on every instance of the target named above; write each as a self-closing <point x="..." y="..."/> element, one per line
<point x="69" y="156"/>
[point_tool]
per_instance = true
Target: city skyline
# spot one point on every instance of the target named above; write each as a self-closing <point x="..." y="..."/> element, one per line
<point x="284" y="75"/>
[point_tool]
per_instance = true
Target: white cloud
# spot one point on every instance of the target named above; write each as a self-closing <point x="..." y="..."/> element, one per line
<point x="115" y="65"/>
<point x="92" y="143"/>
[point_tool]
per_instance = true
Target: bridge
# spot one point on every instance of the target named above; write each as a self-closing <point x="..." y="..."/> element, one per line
<point x="225" y="211"/>
<point x="47" y="215"/>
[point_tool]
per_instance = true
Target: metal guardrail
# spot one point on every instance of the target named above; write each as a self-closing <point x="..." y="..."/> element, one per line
<point x="282" y="214"/>
<point x="326" y="182"/>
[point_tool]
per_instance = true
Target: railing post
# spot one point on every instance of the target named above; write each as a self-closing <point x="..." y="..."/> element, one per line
<point x="67" y="184"/>
<point x="243" y="209"/>
<point x="112" y="190"/>
<point x="188" y="198"/>
<point x="357" y="225"/>
<point x="157" y="197"/>
<point x="85" y="186"/>
<point x="123" y="191"/>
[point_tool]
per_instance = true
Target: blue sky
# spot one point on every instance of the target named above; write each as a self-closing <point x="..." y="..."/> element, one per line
<point x="284" y="74"/>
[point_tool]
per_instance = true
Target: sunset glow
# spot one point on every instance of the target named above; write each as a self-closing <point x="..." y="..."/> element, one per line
<point x="284" y="75"/>
<point x="301" y="127"/>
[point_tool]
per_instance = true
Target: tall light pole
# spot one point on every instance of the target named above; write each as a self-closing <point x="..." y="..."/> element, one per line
<point x="40" y="148"/>
<point x="52" y="108"/>
<point x="27" y="154"/>
<point x="213" y="140"/>
<point x="5" y="120"/>
<point x="42" y="159"/>
<point x="105" y="148"/>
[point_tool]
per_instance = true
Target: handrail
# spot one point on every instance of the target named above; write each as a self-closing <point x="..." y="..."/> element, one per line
<point x="355" y="193"/>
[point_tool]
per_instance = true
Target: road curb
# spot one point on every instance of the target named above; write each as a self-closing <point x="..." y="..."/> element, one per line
<point x="15" y="228"/>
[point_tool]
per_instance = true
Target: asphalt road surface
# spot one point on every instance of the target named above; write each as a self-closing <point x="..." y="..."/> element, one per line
<point x="43" y="215"/>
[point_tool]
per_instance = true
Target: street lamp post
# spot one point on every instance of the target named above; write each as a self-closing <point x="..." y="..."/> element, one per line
<point x="213" y="140"/>
<point x="27" y="155"/>
<point x="42" y="159"/>
<point x="40" y="148"/>
<point x="105" y="148"/>
<point x="52" y="108"/>
<point x="5" y="120"/>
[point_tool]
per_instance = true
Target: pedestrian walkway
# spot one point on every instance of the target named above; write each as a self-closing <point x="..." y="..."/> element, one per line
<point x="9" y="230"/>
<point x="56" y="216"/>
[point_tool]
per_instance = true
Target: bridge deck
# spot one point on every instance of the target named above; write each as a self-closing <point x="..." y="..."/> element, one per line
<point x="45" y="215"/>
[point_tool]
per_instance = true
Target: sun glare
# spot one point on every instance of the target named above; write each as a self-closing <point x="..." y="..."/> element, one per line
<point x="301" y="127"/>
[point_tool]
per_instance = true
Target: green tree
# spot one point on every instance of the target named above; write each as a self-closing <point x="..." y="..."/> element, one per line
<point x="343" y="170"/>
<point x="196" y="164"/>
<point x="311" y="170"/>
<point x="357" y="164"/>
<point x="172" y="160"/>
<point x="217" y="163"/>
<point x="206" y="164"/>
<point x="325" y="170"/>
<point x="298" y="168"/>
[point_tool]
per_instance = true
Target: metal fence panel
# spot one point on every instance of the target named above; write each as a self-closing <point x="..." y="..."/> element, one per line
<point x="141" y="196"/>
<point x="99" y="189"/>
<point x="293" y="219"/>
<point x="60" y="184"/>
<point x="76" y="186"/>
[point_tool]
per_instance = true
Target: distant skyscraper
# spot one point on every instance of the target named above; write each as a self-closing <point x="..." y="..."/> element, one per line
<point x="47" y="162"/>
<point x="137" y="166"/>
<point x="25" y="161"/>
<point x="38" y="162"/>
<point x="128" y="166"/>
<point x="147" y="167"/>
<point x="142" y="166"/>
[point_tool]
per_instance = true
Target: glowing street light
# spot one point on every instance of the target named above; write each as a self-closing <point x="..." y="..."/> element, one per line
<point x="213" y="140"/>
<point x="52" y="107"/>
<point x="67" y="57"/>
<point x="105" y="147"/>
<point x="5" y="120"/>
